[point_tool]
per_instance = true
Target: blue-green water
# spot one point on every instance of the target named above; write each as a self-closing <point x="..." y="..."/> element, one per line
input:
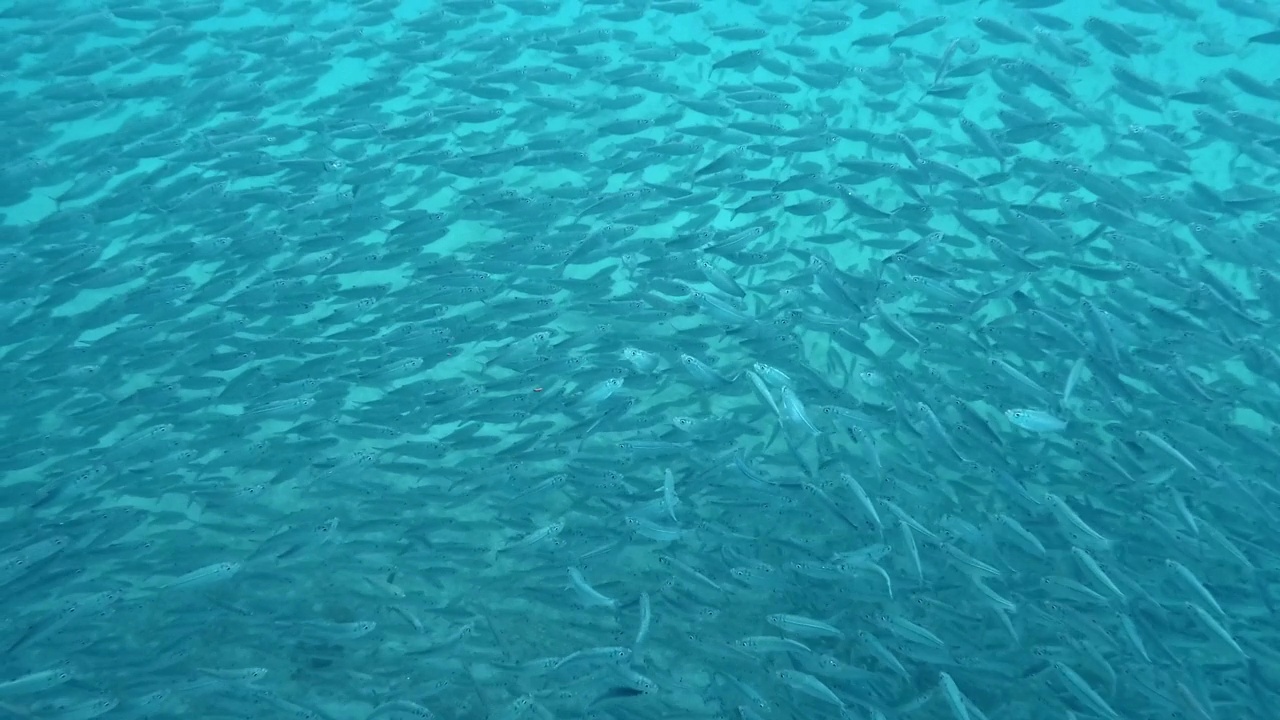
<point x="639" y="360"/>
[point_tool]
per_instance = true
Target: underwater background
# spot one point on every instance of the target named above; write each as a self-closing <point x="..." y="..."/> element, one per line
<point x="639" y="360"/>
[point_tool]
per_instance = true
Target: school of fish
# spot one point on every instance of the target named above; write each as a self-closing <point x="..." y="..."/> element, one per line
<point x="640" y="360"/>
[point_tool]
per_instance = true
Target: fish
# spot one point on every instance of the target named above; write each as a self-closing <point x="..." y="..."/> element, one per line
<point x="1036" y="420"/>
<point x="516" y="359"/>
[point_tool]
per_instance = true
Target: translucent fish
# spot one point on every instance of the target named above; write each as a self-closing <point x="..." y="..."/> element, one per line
<point x="600" y="392"/>
<point x="35" y="682"/>
<point x="586" y="593"/>
<point x="206" y="575"/>
<point x="643" y="362"/>
<point x="1037" y="421"/>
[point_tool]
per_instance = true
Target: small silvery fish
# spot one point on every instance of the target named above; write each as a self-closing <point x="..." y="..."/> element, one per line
<point x="602" y="339"/>
<point x="1037" y="421"/>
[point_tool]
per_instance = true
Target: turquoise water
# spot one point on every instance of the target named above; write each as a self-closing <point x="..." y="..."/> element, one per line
<point x="639" y="360"/>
